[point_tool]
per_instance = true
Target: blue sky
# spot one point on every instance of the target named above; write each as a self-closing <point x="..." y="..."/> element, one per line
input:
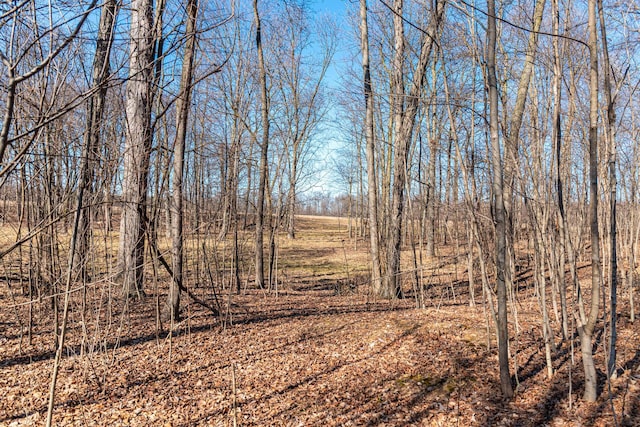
<point x="330" y="140"/>
<point x="334" y="6"/>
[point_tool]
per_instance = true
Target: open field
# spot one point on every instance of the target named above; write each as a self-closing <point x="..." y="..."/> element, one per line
<point x="318" y="352"/>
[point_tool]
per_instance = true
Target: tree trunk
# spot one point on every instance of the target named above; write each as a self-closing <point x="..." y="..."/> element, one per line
<point x="498" y="205"/>
<point x="291" y="223"/>
<point x="183" y="104"/>
<point x="392" y="285"/>
<point x="264" y="150"/>
<point x="610" y="134"/>
<point x="557" y="141"/>
<point x="137" y="149"/>
<point x="370" y="153"/>
<point x="431" y="198"/>
<point x="100" y="74"/>
<point x="586" y="325"/>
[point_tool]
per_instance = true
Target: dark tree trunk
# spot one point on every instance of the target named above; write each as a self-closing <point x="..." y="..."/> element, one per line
<point x="264" y="150"/>
<point x="172" y="309"/>
<point x="498" y="205"/>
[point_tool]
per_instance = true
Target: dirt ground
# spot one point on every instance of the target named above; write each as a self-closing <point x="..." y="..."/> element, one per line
<point x="319" y="352"/>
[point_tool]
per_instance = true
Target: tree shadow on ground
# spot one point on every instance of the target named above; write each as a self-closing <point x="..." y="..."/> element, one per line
<point x="552" y="404"/>
<point x="172" y="375"/>
<point x="226" y="409"/>
<point x="286" y="313"/>
<point x="281" y="314"/>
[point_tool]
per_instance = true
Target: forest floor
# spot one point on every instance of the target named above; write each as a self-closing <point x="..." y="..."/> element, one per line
<point x="319" y="352"/>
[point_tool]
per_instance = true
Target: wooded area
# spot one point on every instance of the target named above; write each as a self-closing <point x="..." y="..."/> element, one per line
<point x="471" y="168"/>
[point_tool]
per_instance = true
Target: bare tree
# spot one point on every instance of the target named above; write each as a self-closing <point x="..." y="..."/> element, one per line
<point x="16" y="52"/>
<point x="611" y="139"/>
<point x="586" y="322"/>
<point x="556" y="132"/>
<point x="298" y="80"/>
<point x="372" y="185"/>
<point x="391" y="287"/>
<point x="497" y="201"/>
<point x="264" y="151"/>
<point x="183" y="105"/>
<point x="96" y="106"/>
<point x="137" y="149"/>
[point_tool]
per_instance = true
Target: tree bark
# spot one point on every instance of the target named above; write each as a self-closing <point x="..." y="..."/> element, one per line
<point x="611" y="138"/>
<point x="557" y="141"/>
<point x="392" y="285"/>
<point x="100" y="75"/>
<point x="586" y="324"/>
<point x="431" y="197"/>
<point x="183" y="104"/>
<point x="498" y="205"/>
<point x="264" y="150"/>
<point x="137" y="149"/>
<point x="372" y="193"/>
